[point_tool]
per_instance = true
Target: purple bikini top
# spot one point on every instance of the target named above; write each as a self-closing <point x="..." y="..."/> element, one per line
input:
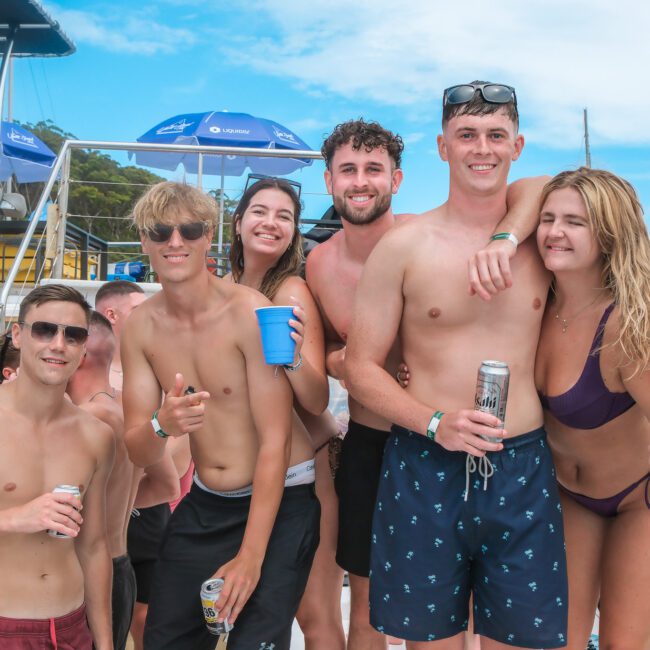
<point x="589" y="404"/>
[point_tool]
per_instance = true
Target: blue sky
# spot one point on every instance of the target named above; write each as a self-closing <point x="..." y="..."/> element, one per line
<point x="314" y="64"/>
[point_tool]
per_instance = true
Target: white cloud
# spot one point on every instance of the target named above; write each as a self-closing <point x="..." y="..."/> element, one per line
<point x="560" y="55"/>
<point x="135" y="33"/>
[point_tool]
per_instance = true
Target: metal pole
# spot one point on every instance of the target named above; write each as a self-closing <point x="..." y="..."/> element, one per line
<point x="221" y="208"/>
<point x="10" y="92"/>
<point x="199" y="173"/>
<point x="5" y="65"/>
<point x="29" y="233"/>
<point x="587" y="149"/>
<point x="57" y="269"/>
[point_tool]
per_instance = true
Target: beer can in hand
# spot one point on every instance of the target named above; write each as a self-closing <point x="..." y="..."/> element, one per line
<point x="69" y="489"/>
<point x="210" y="591"/>
<point x="492" y="391"/>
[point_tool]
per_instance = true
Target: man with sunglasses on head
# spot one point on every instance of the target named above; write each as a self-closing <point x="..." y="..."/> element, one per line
<point x="53" y="547"/>
<point x="246" y="519"/>
<point x="458" y="515"/>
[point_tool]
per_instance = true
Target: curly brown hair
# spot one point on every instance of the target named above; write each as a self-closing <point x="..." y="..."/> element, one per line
<point x="369" y="135"/>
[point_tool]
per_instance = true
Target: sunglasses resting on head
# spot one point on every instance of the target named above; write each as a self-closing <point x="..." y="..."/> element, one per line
<point x="43" y="331"/>
<point x="492" y="93"/>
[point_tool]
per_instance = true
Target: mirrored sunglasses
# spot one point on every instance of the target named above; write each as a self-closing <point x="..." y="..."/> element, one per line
<point x="43" y="331"/>
<point x="492" y="93"/>
<point x="189" y="231"/>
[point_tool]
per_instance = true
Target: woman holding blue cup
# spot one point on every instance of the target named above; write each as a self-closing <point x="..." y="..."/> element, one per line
<point x="266" y="254"/>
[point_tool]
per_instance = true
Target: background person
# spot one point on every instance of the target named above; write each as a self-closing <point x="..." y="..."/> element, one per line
<point x="266" y="255"/>
<point x="9" y="358"/>
<point x="593" y="370"/>
<point x="116" y="300"/>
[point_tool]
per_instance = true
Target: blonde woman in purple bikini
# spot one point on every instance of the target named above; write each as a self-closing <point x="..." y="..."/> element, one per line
<point x="593" y="374"/>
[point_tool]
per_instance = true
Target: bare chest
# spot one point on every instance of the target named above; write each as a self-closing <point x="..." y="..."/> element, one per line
<point x="31" y="465"/>
<point x="437" y="297"/>
<point x="208" y="358"/>
<point x="336" y="295"/>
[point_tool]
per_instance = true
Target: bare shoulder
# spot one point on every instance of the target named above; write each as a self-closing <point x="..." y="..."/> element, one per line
<point x="139" y="318"/>
<point x="108" y="412"/>
<point x="292" y="287"/>
<point x="98" y="435"/>
<point x="321" y="257"/>
<point x="241" y="302"/>
<point x="404" y="216"/>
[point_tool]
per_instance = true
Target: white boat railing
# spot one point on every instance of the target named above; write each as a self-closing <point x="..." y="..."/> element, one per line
<point x="62" y="167"/>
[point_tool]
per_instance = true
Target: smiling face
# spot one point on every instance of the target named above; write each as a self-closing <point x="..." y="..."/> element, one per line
<point x="480" y="150"/>
<point x="268" y="224"/>
<point x="362" y="183"/>
<point x="564" y="236"/>
<point x="178" y="259"/>
<point x="50" y="362"/>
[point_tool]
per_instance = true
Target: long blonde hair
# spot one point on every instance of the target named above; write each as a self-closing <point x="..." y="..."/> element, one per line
<point x="616" y="221"/>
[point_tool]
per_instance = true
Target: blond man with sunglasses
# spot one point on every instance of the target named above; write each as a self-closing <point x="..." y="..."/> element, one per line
<point x="54" y="560"/>
<point x="251" y="516"/>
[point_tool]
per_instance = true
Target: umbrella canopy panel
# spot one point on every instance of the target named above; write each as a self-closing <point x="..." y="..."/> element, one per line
<point x="36" y="32"/>
<point x="226" y="130"/>
<point x="23" y="155"/>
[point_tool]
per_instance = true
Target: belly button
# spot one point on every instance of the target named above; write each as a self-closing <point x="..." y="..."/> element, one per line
<point x="9" y="487"/>
<point x="227" y="390"/>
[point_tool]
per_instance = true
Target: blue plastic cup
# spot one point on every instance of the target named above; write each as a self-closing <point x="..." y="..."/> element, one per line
<point x="279" y="348"/>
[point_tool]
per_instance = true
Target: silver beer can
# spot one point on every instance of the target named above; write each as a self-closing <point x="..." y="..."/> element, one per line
<point x="210" y="591"/>
<point x="492" y="391"/>
<point x="69" y="489"/>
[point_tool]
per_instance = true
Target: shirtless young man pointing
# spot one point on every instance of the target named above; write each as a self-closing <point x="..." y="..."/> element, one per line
<point x="244" y="520"/>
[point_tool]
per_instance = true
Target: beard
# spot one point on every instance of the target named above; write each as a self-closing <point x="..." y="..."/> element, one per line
<point x="362" y="216"/>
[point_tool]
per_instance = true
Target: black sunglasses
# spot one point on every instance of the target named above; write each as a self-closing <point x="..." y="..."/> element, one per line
<point x="253" y="178"/>
<point x="43" y="331"/>
<point x="492" y="93"/>
<point x="189" y="231"/>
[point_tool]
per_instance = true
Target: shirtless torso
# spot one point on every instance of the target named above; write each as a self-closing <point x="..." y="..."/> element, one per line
<point x="217" y="352"/>
<point x="333" y="273"/>
<point x="46" y="441"/>
<point x="125" y="476"/>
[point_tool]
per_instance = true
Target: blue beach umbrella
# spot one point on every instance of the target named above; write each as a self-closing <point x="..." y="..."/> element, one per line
<point x="23" y="155"/>
<point x="226" y="130"/>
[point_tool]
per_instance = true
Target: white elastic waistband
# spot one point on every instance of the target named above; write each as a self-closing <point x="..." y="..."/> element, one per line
<point x="300" y="474"/>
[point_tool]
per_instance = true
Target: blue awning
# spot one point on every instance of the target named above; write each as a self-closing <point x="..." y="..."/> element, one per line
<point x="34" y="31"/>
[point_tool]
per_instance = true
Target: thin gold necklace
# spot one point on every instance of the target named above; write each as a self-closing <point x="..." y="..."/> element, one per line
<point x="564" y="322"/>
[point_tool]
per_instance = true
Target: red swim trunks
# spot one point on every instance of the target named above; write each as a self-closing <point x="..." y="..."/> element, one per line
<point x="69" y="632"/>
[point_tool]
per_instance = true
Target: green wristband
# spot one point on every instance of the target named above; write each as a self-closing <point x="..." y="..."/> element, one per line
<point x="505" y="235"/>
<point x="158" y="430"/>
<point x="433" y="425"/>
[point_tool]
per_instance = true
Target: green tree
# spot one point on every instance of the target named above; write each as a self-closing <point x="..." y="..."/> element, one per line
<point x="102" y="192"/>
